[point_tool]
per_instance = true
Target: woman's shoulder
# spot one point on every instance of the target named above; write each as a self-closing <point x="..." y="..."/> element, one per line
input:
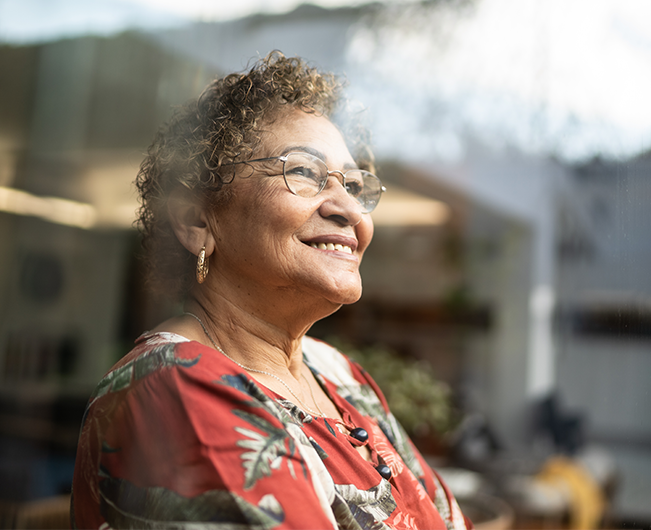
<point x="145" y="344"/>
<point x="154" y="353"/>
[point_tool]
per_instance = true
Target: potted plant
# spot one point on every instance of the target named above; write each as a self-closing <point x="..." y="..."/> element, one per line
<point x="418" y="400"/>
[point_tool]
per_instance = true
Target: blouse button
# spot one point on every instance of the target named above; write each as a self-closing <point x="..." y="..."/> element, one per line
<point x="384" y="471"/>
<point x="359" y="434"/>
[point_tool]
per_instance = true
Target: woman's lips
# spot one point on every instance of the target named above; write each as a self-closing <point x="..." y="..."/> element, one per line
<point x="333" y="242"/>
<point x="332" y="246"/>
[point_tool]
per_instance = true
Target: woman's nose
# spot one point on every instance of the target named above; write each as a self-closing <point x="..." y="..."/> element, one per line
<point x="338" y="203"/>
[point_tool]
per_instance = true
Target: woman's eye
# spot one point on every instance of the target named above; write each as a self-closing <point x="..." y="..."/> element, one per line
<point x="304" y="172"/>
<point x="354" y="188"/>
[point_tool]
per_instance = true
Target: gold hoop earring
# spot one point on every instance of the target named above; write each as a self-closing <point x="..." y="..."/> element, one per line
<point x="202" y="265"/>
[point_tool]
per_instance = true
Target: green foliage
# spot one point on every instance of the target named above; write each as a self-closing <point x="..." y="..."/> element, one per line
<point x="420" y="402"/>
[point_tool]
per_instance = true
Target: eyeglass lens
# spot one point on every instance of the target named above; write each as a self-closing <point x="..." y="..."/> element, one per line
<point x="306" y="176"/>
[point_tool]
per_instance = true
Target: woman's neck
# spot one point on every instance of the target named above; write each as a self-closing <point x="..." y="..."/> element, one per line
<point x="246" y="337"/>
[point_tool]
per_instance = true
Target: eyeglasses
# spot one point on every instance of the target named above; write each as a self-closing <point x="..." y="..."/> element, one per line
<point x="306" y="176"/>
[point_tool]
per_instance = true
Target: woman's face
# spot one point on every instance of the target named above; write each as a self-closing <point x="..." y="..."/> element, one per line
<point x="264" y="234"/>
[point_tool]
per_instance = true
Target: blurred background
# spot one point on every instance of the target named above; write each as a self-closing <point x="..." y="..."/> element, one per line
<point x="508" y="283"/>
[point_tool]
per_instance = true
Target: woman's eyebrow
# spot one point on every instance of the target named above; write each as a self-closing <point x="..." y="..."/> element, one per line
<point x="305" y="149"/>
<point x="314" y="152"/>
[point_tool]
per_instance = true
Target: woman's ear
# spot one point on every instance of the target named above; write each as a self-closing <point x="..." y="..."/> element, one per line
<point x="190" y="223"/>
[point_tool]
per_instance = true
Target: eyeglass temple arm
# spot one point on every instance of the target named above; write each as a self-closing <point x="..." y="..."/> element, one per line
<point x="282" y="158"/>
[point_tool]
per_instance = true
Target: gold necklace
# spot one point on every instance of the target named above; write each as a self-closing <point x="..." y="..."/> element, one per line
<point x="313" y="412"/>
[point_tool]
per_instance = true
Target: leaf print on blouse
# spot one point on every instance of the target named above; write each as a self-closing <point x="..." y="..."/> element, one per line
<point x="163" y="356"/>
<point x="245" y="385"/>
<point x="125" y="505"/>
<point x="420" y="489"/>
<point x="364" y="399"/>
<point x="400" y="441"/>
<point x="448" y="507"/>
<point x="404" y="521"/>
<point x="265" y="450"/>
<point x="319" y="450"/>
<point x="368" y="507"/>
<point x="442" y="504"/>
<point x="297" y="414"/>
<point x="283" y="410"/>
<point x="346" y="520"/>
<point x="386" y="451"/>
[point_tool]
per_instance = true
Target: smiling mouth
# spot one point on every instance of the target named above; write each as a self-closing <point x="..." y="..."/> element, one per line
<point x="331" y="246"/>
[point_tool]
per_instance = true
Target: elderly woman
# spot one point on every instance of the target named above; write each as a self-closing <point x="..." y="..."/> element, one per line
<point x="255" y="211"/>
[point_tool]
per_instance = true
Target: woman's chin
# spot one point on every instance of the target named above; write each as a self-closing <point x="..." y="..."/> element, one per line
<point x="346" y="296"/>
<point x="329" y="286"/>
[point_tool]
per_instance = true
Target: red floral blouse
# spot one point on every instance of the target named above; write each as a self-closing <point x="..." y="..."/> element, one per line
<point x="179" y="436"/>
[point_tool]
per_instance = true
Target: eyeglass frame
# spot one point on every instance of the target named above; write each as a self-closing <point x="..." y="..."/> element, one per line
<point x="283" y="159"/>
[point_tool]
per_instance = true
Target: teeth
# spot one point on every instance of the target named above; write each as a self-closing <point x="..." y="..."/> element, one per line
<point x="330" y="246"/>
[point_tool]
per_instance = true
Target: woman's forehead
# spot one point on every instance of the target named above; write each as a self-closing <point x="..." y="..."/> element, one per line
<point x="297" y="130"/>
